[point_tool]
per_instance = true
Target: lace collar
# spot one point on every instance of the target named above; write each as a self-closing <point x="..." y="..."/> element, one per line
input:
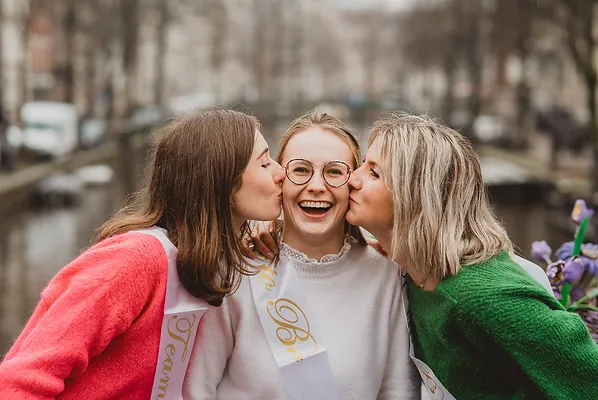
<point x="302" y="257"/>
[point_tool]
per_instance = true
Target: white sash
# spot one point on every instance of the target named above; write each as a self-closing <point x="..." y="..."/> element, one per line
<point x="182" y="313"/>
<point x="290" y="331"/>
<point x="436" y="389"/>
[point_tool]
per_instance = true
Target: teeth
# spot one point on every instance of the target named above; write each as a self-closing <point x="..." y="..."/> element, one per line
<point x="315" y="204"/>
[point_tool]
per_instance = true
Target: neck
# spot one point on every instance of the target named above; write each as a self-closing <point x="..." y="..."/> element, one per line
<point x="423" y="282"/>
<point x="315" y="247"/>
<point x="237" y="224"/>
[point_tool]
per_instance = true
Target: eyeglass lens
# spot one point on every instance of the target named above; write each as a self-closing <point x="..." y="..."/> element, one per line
<point x="335" y="173"/>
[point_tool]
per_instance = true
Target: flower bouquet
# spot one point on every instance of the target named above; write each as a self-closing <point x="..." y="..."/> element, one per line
<point x="573" y="273"/>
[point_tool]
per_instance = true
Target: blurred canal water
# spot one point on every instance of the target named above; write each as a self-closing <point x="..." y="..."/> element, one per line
<point x="36" y="244"/>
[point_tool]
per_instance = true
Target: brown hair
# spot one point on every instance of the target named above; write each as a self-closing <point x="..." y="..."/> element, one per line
<point x="442" y="218"/>
<point x="327" y="122"/>
<point x="196" y="166"/>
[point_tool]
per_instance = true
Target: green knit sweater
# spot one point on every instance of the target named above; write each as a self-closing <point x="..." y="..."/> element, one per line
<point x="492" y="332"/>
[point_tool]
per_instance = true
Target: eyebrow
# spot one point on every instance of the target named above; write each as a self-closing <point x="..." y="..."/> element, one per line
<point x="262" y="153"/>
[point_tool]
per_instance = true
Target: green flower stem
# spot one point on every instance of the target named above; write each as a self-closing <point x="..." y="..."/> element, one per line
<point x="565" y="294"/>
<point x="582" y="307"/>
<point x="591" y="294"/>
<point x="581" y="232"/>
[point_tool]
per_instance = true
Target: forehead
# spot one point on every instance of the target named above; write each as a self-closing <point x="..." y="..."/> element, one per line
<point x="318" y="146"/>
<point x="374" y="154"/>
<point x="259" y="144"/>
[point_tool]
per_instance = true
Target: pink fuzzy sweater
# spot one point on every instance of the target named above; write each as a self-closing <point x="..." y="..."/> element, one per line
<point x="96" y="330"/>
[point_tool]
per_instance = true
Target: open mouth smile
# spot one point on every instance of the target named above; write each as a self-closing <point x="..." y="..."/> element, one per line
<point x="315" y="209"/>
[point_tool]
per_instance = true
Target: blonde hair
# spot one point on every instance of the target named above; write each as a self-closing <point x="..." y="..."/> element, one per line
<point x="326" y="122"/>
<point x="442" y="218"/>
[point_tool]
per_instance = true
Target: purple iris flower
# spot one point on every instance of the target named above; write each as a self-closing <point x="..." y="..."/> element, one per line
<point x="551" y="271"/>
<point x="574" y="269"/>
<point x="589" y="254"/>
<point x="581" y="211"/>
<point x="577" y="292"/>
<point x="565" y="251"/>
<point x="590" y="250"/>
<point x="541" y="251"/>
<point x="557" y="292"/>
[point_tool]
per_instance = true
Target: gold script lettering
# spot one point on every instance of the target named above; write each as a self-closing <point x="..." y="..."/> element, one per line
<point x="267" y="277"/>
<point x="292" y="324"/>
<point x="166" y="366"/>
<point x="183" y="327"/>
<point x="433" y="386"/>
<point x="181" y="332"/>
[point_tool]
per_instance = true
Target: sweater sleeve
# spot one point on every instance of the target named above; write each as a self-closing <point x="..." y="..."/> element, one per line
<point x="551" y="346"/>
<point x="401" y="379"/>
<point x="92" y="300"/>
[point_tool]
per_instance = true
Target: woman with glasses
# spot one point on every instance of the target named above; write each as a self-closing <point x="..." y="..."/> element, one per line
<point x="323" y="321"/>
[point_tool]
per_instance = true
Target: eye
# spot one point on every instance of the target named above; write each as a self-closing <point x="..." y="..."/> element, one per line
<point x="334" y="171"/>
<point x="301" y="170"/>
<point x="374" y="174"/>
<point x="266" y="165"/>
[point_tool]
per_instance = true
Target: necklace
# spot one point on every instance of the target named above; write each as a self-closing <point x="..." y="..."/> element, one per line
<point x="419" y="285"/>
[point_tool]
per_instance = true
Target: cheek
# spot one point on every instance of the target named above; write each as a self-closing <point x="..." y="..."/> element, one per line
<point x="384" y="203"/>
<point x="290" y="191"/>
<point x="262" y="180"/>
<point x="342" y="198"/>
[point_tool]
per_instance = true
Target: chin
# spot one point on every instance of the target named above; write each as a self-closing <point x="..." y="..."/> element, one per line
<point x="350" y="218"/>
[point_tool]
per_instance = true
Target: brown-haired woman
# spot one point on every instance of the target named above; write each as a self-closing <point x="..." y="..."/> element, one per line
<point x="119" y="309"/>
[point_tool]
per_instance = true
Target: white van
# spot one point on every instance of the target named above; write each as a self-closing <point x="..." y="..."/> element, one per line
<point x="49" y="128"/>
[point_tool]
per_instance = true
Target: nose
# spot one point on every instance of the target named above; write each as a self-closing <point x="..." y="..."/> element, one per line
<point x="316" y="183"/>
<point x="278" y="173"/>
<point x="355" y="181"/>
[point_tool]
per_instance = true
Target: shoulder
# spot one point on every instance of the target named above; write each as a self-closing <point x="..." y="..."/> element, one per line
<point x="374" y="272"/>
<point x="132" y="254"/>
<point x="535" y="271"/>
<point x="496" y="289"/>
<point x="370" y="258"/>
<point x="120" y="267"/>
<point x="496" y="275"/>
<point x="134" y="246"/>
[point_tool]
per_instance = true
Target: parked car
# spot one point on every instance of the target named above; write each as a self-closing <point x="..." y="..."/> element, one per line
<point x="49" y="128"/>
<point x="92" y="132"/>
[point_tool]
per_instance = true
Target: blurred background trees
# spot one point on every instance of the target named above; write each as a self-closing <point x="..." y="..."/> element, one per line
<point x="511" y="72"/>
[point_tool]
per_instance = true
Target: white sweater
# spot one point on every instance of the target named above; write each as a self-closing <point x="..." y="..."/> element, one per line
<point x="356" y="305"/>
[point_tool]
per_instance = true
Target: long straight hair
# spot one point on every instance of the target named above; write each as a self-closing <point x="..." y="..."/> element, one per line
<point x="196" y="165"/>
<point x="442" y="218"/>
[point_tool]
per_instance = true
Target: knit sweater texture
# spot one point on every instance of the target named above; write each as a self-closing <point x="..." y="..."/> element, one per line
<point x="492" y="332"/>
<point x="96" y="330"/>
<point x="355" y="304"/>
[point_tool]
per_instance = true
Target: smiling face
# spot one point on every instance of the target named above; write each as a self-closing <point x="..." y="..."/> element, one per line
<point x="259" y="196"/>
<point x="370" y="204"/>
<point x="315" y="210"/>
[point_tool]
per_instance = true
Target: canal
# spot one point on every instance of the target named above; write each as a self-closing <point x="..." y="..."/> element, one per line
<point x="36" y="243"/>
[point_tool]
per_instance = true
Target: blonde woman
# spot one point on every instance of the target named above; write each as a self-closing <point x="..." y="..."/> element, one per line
<point x="324" y="320"/>
<point x="482" y="327"/>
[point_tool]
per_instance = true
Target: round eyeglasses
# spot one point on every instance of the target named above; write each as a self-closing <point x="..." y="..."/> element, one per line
<point x="300" y="171"/>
